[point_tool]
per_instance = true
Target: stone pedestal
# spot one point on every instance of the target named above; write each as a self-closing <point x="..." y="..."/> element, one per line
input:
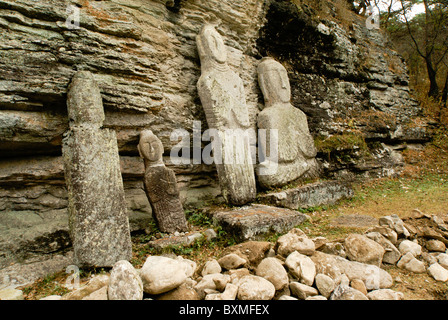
<point x="98" y="220"/>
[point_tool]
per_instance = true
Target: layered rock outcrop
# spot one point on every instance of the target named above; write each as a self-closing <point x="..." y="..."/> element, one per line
<point x="143" y="56"/>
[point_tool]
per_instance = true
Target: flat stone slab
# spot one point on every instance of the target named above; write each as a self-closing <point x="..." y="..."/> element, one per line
<point x="354" y="221"/>
<point x="256" y="221"/>
<point x="308" y="196"/>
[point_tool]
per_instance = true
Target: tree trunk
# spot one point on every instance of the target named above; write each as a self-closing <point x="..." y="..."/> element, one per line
<point x="445" y="91"/>
<point x="433" y="87"/>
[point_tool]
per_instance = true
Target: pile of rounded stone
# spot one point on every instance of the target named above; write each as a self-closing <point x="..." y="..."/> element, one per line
<point x="295" y="267"/>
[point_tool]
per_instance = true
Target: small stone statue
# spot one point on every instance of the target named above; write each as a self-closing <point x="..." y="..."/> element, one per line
<point x="161" y="186"/>
<point x="98" y="220"/>
<point x="223" y="98"/>
<point x="295" y="151"/>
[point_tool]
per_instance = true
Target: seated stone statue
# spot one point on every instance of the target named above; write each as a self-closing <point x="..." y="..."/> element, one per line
<point x="288" y="149"/>
<point x="161" y="186"/>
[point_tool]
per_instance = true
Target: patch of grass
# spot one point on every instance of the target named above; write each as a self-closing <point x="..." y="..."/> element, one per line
<point x="337" y="142"/>
<point x="50" y="285"/>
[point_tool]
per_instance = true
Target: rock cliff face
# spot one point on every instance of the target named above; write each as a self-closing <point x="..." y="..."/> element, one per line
<point x="144" y="58"/>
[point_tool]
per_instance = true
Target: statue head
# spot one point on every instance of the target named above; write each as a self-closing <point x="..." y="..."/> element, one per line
<point x="84" y="102"/>
<point x="211" y="48"/>
<point x="150" y="148"/>
<point x="274" y="82"/>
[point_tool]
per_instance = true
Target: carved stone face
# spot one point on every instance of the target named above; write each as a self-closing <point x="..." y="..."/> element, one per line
<point x="274" y="82"/>
<point x="211" y="45"/>
<point x="150" y="147"/>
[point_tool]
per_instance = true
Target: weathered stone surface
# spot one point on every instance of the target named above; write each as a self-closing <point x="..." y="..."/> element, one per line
<point x="391" y="254"/>
<point x="211" y="267"/>
<point x="223" y="98"/>
<point x="373" y="276"/>
<point x="310" y="195"/>
<point x="257" y="221"/>
<point x="98" y="221"/>
<point x="255" y="288"/>
<point x="435" y="245"/>
<point x="183" y="292"/>
<point x="294" y="240"/>
<point x="395" y="223"/>
<point x="324" y="284"/>
<point x="410" y="246"/>
<point x="438" y="272"/>
<point x="409" y="262"/>
<point x="288" y="150"/>
<point x="124" y="282"/>
<point x="161" y="274"/>
<point x="343" y="292"/>
<point x="442" y="259"/>
<point x="362" y="249"/>
<point x="231" y="261"/>
<point x="301" y="267"/>
<point x="359" y="285"/>
<point x="384" y="294"/>
<point x="93" y="285"/>
<point x="213" y="281"/>
<point x="252" y="251"/>
<point x="161" y="186"/>
<point x="272" y="270"/>
<point x="11" y="294"/>
<point x="302" y="291"/>
<point x="100" y="294"/>
<point x="230" y="293"/>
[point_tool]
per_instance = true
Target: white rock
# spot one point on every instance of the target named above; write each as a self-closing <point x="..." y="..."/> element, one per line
<point x="210" y="267"/>
<point x="410" y="246"/>
<point x="302" y="291"/>
<point x="316" y="298"/>
<point x="435" y="245"/>
<point x="438" y="272"/>
<point x="295" y="240"/>
<point x="443" y="260"/>
<point x="343" y="292"/>
<point x="362" y="249"/>
<point x="285" y="297"/>
<point x="301" y="267"/>
<point x="391" y="254"/>
<point x="189" y="266"/>
<point x="373" y="276"/>
<point x="229" y="293"/>
<point x="272" y="270"/>
<point x="214" y="281"/>
<point x="124" y="282"/>
<point x="394" y="222"/>
<point x="410" y="263"/>
<point x="231" y="261"/>
<point x="162" y="274"/>
<point x="11" y="294"/>
<point x="52" y="297"/>
<point x="324" y="284"/>
<point x="384" y="294"/>
<point x="255" y="288"/>
<point x="100" y="294"/>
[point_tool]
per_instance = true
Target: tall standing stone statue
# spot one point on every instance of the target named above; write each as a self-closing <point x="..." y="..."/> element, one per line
<point x="286" y="130"/>
<point x="98" y="221"/>
<point x="223" y="98"/>
<point x="161" y="186"/>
